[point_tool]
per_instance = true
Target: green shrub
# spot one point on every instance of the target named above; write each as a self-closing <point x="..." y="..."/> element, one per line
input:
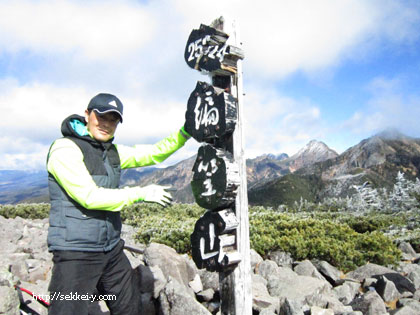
<point x="312" y="238"/>
<point x="26" y="210"/>
<point x="337" y="237"/>
<point x="372" y="222"/>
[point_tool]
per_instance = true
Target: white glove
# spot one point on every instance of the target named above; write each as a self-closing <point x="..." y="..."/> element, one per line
<point x="157" y="194"/>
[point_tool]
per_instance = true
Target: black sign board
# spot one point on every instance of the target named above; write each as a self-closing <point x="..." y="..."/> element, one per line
<point x="211" y="113"/>
<point x="209" y="243"/>
<point x="215" y="178"/>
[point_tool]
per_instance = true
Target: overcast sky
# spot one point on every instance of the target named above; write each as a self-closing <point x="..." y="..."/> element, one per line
<point x="334" y="71"/>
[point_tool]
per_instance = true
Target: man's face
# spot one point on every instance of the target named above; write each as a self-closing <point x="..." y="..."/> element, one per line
<point x="102" y="127"/>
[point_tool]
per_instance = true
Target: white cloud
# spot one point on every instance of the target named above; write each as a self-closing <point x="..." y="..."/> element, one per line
<point x="389" y="107"/>
<point x="93" y="29"/>
<point x="135" y="51"/>
<point x="279" y="124"/>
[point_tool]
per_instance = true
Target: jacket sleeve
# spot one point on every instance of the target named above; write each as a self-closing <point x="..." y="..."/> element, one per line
<point x="144" y="155"/>
<point x="65" y="163"/>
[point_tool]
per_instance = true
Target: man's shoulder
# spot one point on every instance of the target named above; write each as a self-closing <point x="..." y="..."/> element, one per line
<point x="63" y="144"/>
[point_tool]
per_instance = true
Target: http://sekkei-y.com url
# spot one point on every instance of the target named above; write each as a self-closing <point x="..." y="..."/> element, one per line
<point x="74" y="296"/>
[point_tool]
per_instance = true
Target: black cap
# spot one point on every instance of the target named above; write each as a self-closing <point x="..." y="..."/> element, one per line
<point x="104" y="103"/>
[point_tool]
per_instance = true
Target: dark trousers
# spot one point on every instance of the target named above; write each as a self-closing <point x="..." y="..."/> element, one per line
<point x="80" y="277"/>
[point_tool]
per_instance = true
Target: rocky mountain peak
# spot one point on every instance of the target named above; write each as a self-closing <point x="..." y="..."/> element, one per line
<point x="317" y="148"/>
<point x="314" y="151"/>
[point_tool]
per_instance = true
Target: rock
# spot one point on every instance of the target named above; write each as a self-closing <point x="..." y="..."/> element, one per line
<point x="332" y="274"/>
<point x="402" y="283"/>
<point x="315" y="310"/>
<point x="369" y="303"/>
<point x="412" y="303"/>
<point x="210" y="280"/>
<point x="282" y="259"/>
<point x="168" y="260"/>
<point x="205" y="295"/>
<point x="405" y="310"/>
<point x="369" y="283"/>
<point x="368" y="271"/>
<point x="413" y="273"/>
<point x="176" y="300"/>
<point x="9" y="302"/>
<point x="291" y="307"/>
<point x="191" y="267"/>
<point x="255" y="259"/>
<point x="196" y="284"/>
<point x="299" y="288"/>
<point x="261" y="299"/>
<point x="267" y="312"/>
<point x="408" y="253"/>
<point x="347" y="291"/>
<point x="387" y="290"/>
<point x="267" y="268"/>
<point x="306" y="268"/>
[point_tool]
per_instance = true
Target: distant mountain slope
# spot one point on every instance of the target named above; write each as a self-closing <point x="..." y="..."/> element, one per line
<point x="314" y="172"/>
<point x="17" y="186"/>
<point x="377" y="159"/>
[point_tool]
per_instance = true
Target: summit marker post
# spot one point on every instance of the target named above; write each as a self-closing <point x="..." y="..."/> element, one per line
<point x="220" y="241"/>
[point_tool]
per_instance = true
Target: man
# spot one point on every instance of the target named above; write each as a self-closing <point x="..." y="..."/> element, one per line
<point x="84" y="170"/>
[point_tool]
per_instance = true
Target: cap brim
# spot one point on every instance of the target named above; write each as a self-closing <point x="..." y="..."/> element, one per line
<point x="109" y="111"/>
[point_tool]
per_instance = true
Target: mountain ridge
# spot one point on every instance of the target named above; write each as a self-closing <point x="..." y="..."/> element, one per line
<point x="315" y="166"/>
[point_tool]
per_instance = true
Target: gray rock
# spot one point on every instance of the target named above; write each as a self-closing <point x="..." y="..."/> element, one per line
<point x="408" y="253"/>
<point x="176" y="300"/>
<point x="405" y="310"/>
<point x="414" y="304"/>
<point x="7" y="278"/>
<point x="413" y="273"/>
<point x="210" y="280"/>
<point x="267" y="311"/>
<point x="205" y="295"/>
<point x="167" y="259"/>
<point x="196" y="284"/>
<point x="369" y="303"/>
<point x="402" y="283"/>
<point x="291" y="307"/>
<point x="261" y="299"/>
<point x="332" y="274"/>
<point x="315" y="310"/>
<point x="191" y="267"/>
<point x="282" y="259"/>
<point x="347" y="291"/>
<point x="299" y="288"/>
<point x="306" y="268"/>
<point x="255" y="259"/>
<point x="369" y="283"/>
<point x="9" y="302"/>
<point x="267" y="268"/>
<point x="416" y="295"/>
<point x="387" y="290"/>
<point x="150" y="279"/>
<point x="368" y="271"/>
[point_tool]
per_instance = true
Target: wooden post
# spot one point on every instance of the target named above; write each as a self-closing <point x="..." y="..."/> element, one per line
<point x="220" y="241"/>
<point x="236" y="284"/>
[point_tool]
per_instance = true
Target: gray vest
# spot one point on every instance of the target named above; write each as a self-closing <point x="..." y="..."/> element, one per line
<point x="75" y="228"/>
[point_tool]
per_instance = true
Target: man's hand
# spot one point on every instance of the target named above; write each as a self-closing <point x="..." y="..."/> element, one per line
<point x="157" y="194"/>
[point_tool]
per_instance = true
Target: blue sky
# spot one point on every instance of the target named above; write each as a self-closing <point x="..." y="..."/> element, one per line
<point x="334" y="71"/>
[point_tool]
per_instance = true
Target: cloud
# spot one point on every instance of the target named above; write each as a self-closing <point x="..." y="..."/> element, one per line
<point x="55" y="55"/>
<point x="390" y="106"/>
<point x="93" y="29"/>
<point x="279" y="124"/>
